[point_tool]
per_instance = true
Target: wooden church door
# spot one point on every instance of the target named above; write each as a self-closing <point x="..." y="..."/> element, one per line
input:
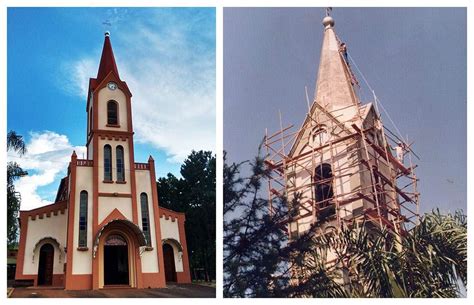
<point x="45" y="268"/>
<point x="170" y="269"/>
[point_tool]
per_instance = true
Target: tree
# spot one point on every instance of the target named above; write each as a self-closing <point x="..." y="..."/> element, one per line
<point x="194" y="194"/>
<point x="14" y="171"/>
<point x="259" y="260"/>
<point x="257" y="255"/>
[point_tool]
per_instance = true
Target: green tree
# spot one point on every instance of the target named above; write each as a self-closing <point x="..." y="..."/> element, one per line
<point x="194" y="194"/>
<point x="14" y="171"/>
<point x="258" y="256"/>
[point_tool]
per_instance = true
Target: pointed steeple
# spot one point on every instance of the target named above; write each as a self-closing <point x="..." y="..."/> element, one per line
<point x="107" y="60"/>
<point x="334" y="89"/>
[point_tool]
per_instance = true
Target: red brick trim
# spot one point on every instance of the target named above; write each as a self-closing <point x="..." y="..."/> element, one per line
<point x="80" y="282"/>
<point x="54" y="208"/>
<point x="167" y="214"/>
<point x="115" y="214"/>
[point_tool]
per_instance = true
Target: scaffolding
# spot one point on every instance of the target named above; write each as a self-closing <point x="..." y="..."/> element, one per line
<point x="367" y="182"/>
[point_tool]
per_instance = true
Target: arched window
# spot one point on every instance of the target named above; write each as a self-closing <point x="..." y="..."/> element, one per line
<point x="120" y="164"/>
<point x="319" y="135"/>
<point x="83" y="219"/>
<point x="115" y="240"/>
<point x="323" y="190"/>
<point x="145" y="218"/>
<point x="107" y="163"/>
<point x="112" y="113"/>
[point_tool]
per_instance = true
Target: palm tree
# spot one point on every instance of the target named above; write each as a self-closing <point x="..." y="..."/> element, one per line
<point x="14" y="171"/>
<point x="429" y="261"/>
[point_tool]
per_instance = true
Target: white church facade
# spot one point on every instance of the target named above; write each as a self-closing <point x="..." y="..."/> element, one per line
<point x="106" y="227"/>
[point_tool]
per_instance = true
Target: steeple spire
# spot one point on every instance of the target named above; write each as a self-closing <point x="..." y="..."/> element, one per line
<point x="107" y="60"/>
<point x="334" y="86"/>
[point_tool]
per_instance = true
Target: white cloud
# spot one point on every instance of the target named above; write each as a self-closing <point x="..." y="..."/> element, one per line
<point x="46" y="161"/>
<point x="81" y="71"/>
<point x="172" y="79"/>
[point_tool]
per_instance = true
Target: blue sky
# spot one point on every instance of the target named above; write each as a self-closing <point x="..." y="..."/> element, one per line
<point x="167" y="57"/>
<point x="414" y="58"/>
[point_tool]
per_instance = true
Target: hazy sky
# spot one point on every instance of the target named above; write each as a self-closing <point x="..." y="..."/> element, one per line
<point x="414" y="59"/>
<point x="166" y="56"/>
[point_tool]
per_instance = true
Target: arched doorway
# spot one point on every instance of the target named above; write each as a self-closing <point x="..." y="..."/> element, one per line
<point x="45" y="265"/>
<point x="116" y="266"/>
<point x="170" y="268"/>
<point x="116" y="245"/>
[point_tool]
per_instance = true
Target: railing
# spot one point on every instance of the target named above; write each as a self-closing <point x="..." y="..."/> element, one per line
<point x="144" y="166"/>
<point x="83" y="162"/>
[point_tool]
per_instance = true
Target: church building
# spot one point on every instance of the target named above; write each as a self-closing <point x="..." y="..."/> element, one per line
<point x="342" y="167"/>
<point x="105" y="228"/>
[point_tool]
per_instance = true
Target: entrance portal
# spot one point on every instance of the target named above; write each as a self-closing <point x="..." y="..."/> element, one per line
<point x="45" y="265"/>
<point x="170" y="269"/>
<point x="116" y="261"/>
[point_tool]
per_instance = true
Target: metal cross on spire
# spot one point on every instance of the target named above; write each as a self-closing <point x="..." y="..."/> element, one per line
<point x="328" y="10"/>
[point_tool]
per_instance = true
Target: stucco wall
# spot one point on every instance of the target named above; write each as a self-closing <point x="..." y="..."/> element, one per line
<point x="108" y="204"/>
<point x="82" y="260"/>
<point x="170" y="229"/>
<point x="149" y="258"/>
<point x="105" y="94"/>
<point x="114" y="187"/>
<point x="38" y="229"/>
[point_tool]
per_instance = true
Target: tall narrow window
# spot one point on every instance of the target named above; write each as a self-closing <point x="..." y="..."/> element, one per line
<point x="145" y="218"/>
<point x="107" y="163"/>
<point x="120" y="164"/>
<point x="112" y="113"/>
<point x="83" y="220"/>
<point x="323" y="189"/>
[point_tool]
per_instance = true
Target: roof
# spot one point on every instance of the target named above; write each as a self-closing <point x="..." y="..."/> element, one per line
<point x="62" y="190"/>
<point x="107" y="60"/>
<point x="334" y="87"/>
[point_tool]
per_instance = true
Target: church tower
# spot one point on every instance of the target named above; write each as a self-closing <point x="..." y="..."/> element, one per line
<point x="106" y="227"/>
<point x="340" y="163"/>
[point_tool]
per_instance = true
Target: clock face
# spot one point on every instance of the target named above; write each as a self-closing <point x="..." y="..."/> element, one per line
<point x="112" y="86"/>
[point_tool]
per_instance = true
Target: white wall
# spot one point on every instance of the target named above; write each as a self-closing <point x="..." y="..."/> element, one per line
<point x="105" y="94"/>
<point x="170" y="229"/>
<point x="55" y="227"/>
<point x="108" y="204"/>
<point x="82" y="260"/>
<point x="149" y="258"/>
<point x="114" y="187"/>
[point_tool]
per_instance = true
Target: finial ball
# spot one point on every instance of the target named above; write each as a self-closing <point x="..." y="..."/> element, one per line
<point x="328" y="22"/>
<point x="107" y="33"/>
